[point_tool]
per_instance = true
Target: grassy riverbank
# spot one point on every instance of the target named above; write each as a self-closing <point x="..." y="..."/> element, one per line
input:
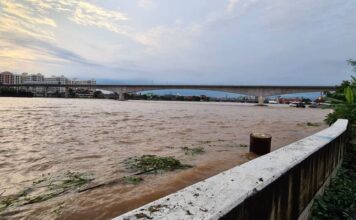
<point x="339" y="199"/>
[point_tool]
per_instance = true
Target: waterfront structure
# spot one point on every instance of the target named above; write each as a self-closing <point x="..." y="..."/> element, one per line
<point x="83" y="92"/>
<point x="82" y="82"/>
<point x="259" y="91"/>
<point x="6" y="78"/>
<point x="280" y="185"/>
<point x="56" y="80"/>
<point x="33" y="79"/>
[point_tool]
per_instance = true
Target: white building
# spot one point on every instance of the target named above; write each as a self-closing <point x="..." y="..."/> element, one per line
<point x="82" y="82"/>
<point x="58" y="80"/>
<point x="17" y="79"/>
<point x="33" y="79"/>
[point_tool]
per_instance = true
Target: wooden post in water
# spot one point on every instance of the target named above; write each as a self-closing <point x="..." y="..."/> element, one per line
<point x="260" y="143"/>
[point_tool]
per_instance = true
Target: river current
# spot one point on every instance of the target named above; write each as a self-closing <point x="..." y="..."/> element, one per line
<point x="40" y="137"/>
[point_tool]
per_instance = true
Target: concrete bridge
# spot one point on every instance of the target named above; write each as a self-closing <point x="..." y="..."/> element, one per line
<point x="260" y="91"/>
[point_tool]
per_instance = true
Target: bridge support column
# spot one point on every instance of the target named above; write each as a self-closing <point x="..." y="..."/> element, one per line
<point x="45" y="91"/>
<point x="121" y="96"/>
<point x="66" y="93"/>
<point x="261" y="100"/>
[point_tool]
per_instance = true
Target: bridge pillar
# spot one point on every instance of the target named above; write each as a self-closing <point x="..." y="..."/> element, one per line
<point x="45" y="91"/>
<point x="121" y="96"/>
<point x="66" y="93"/>
<point x="261" y="100"/>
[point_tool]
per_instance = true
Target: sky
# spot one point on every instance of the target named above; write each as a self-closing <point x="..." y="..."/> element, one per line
<point x="270" y="42"/>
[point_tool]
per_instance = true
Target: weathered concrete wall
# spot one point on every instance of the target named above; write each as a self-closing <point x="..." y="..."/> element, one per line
<point x="279" y="185"/>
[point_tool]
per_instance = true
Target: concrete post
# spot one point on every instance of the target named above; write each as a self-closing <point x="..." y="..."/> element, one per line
<point x="121" y="96"/>
<point x="261" y="100"/>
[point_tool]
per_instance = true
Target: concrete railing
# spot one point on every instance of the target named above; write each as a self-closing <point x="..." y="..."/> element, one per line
<point x="279" y="185"/>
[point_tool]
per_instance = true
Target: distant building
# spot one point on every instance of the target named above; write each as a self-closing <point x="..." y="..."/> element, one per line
<point x="58" y="80"/>
<point x="83" y="92"/>
<point x="17" y="79"/>
<point x="6" y="78"/>
<point x="33" y="79"/>
<point x="82" y="82"/>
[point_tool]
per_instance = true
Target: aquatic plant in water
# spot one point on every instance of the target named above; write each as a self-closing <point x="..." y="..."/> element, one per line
<point x="153" y="163"/>
<point x="193" y="151"/>
<point x="46" y="187"/>
<point x="132" y="179"/>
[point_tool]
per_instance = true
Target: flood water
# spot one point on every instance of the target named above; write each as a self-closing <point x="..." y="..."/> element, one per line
<point x="52" y="136"/>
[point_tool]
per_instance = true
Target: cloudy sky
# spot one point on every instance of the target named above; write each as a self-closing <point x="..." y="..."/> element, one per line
<point x="181" y="41"/>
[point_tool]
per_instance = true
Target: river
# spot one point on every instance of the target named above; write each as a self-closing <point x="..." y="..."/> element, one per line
<point x="51" y="137"/>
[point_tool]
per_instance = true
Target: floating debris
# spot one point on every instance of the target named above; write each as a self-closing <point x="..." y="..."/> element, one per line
<point x="132" y="179"/>
<point x="45" y="188"/>
<point x="311" y="124"/>
<point x="153" y="163"/>
<point x="193" y="151"/>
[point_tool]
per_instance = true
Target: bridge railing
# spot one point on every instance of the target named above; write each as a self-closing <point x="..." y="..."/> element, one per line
<point x="279" y="185"/>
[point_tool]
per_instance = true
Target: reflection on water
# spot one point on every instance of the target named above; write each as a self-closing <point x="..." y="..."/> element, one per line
<point x="41" y="136"/>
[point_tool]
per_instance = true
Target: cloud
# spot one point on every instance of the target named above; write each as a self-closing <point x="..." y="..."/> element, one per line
<point x="34" y="16"/>
<point x="241" y="6"/>
<point x="30" y="25"/>
<point x="146" y="4"/>
<point x="90" y="15"/>
<point x="166" y="40"/>
<point x="34" y="49"/>
<point x="22" y="19"/>
<point x="231" y="5"/>
<point x="241" y="40"/>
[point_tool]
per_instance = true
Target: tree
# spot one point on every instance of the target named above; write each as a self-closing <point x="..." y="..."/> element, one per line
<point x="343" y="100"/>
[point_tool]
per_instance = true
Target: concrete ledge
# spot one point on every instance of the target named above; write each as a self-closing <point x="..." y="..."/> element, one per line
<point x="279" y="185"/>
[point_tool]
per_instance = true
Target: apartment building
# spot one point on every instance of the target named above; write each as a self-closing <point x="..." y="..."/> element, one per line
<point x="33" y="79"/>
<point x="57" y="80"/>
<point x="6" y="78"/>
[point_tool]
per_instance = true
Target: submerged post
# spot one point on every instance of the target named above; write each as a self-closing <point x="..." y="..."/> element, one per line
<point x="260" y="143"/>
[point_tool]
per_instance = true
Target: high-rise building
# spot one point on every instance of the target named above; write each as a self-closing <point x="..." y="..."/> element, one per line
<point x="82" y="82"/>
<point x="17" y="79"/>
<point x="33" y="79"/>
<point x="58" y="80"/>
<point x="6" y="78"/>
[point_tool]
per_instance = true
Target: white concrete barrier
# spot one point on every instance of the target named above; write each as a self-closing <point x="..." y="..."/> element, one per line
<point x="279" y="185"/>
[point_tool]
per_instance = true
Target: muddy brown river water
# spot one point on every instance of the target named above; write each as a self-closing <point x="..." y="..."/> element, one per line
<point x="40" y="137"/>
